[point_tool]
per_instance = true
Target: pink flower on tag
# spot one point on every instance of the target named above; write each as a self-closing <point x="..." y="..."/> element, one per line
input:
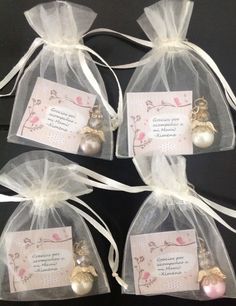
<point x="78" y="101"/>
<point x="180" y="240"/>
<point x="21" y="272"/>
<point x="55" y="236"/>
<point x="146" y="275"/>
<point x="177" y="102"/>
<point x="141" y="136"/>
<point x="34" y="119"/>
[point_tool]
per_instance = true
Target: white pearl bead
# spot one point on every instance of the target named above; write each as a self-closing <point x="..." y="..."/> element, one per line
<point x="82" y="287"/>
<point x="202" y="137"/>
<point x="91" y="144"/>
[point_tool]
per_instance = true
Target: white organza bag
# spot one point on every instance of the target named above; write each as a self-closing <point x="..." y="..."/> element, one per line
<point x="173" y="246"/>
<point x="174" y="103"/>
<point x="46" y="249"/>
<point x="61" y="101"/>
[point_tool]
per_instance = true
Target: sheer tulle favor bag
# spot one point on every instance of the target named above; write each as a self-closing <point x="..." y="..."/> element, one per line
<point x="174" y="103"/>
<point x="61" y="101"/>
<point x="46" y="249"/>
<point x="173" y="246"/>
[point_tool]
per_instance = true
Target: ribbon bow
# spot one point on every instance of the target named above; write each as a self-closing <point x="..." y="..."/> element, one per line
<point x="116" y="118"/>
<point x="43" y="195"/>
<point x="166" y="177"/>
<point x="166" y="24"/>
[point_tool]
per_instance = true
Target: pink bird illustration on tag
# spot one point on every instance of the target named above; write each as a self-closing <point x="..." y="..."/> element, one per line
<point x="146" y="275"/>
<point x="177" y="101"/>
<point x="79" y="100"/>
<point x="34" y="119"/>
<point x="180" y="240"/>
<point x="55" y="236"/>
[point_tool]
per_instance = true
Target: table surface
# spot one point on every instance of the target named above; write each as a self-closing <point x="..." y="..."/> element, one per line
<point x="212" y="27"/>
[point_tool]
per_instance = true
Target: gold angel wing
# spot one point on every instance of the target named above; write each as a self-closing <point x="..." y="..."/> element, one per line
<point x="75" y="271"/>
<point x="88" y="269"/>
<point x="91" y="270"/>
<point x="201" y="275"/>
<point x="195" y="123"/>
<point x="218" y="272"/>
<point x="211" y="126"/>
<point x="88" y="129"/>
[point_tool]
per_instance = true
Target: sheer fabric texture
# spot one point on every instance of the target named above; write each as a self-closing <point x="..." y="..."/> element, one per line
<point x="162" y="212"/>
<point x="172" y="66"/>
<point x="61" y="25"/>
<point x="45" y="178"/>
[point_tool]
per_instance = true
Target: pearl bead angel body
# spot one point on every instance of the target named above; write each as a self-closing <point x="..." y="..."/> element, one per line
<point x="92" y="134"/>
<point x="210" y="277"/>
<point x="203" y="130"/>
<point x="83" y="274"/>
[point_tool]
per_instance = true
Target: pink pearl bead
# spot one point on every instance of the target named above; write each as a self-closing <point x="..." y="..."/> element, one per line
<point x="215" y="290"/>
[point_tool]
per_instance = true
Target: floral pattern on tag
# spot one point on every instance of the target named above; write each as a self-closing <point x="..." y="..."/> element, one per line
<point x="55" y="115"/>
<point x="159" y="122"/>
<point x="39" y="259"/>
<point x="165" y="262"/>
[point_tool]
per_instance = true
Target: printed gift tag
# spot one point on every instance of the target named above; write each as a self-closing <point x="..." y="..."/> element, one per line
<point x="39" y="259"/>
<point x="160" y="122"/>
<point x="165" y="262"/>
<point x="55" y="115"/>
